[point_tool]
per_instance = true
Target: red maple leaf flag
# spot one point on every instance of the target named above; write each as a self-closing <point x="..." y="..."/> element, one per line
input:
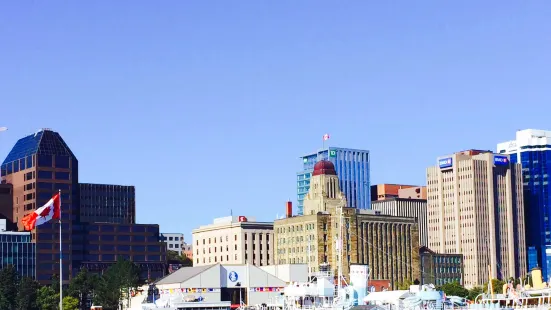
<point x="50" y="211"/>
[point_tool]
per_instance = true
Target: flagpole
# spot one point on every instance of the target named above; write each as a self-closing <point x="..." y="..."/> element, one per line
<point x="60" y="258"/>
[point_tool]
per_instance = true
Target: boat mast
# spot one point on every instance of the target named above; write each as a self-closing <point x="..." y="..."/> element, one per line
<point x="340" y="250"/>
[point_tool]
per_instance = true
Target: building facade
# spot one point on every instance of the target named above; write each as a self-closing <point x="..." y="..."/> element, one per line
<point x="475" y="208"/>
<point x="386" y="191"/>
<point x="6" y="202"/>
<point x="174" y="242"/>
<point x="107" y="203"/>
<point x="38" y="166"/>
<point x="187" y="251"/>
<point x="353" y="168"/>
<point x="234" y="240"/>
<point x="387" y="244"/>
<point x="439" y="269"/>
<point x="17" y="249"/>
<point x="532" y="149"/>
<point x="414" y="208"/>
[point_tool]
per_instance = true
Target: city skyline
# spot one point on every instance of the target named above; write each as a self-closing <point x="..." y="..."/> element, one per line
<point x="196" y="95"/>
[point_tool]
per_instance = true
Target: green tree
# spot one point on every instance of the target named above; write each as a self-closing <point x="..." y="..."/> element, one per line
<point x="9" y="281"/>
<point x="27" y="294"/>
<point x="474" y="292"/>
<point x="174" y="258"/>
<point x="497" y="286"/>
<point x="47" y="298"/>
<point x="116" y="283"/>
<point x="404" y="285"/>
<point x="82" y="286"/>
<point x="454" y="289"/>
<point x="70" y="303"/>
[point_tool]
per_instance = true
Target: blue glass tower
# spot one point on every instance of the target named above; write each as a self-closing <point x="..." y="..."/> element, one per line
<point x="532" y="148"/>
<point x="352" y="168"/>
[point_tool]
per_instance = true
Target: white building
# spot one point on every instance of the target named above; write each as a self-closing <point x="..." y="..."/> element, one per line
<point x="475" y="207"/>
<point x="225" y="282"/>
<point x="174" y="241"/>
<point x="234" y="240"/>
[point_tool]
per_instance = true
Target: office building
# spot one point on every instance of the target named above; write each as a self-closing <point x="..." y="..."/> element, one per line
<point x="234" y="240"/>
<point x="107" y="203"/>
<point x="352" y="167"/>
<point x="475" y="208"/>
<point x="17" y="249"/>
<point x="174" y="242"/>
<point x="439" y="269"/>
<point x="532" y="149"/>
<point x="387" y="244"/>
<point x="6" y="202"/>
<point x="386" y="191"/>
<point x="38" y="166"/>
<point x="405" y="207"/>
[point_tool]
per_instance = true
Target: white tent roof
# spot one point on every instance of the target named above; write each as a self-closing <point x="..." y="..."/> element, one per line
<point x="387" y="296"/>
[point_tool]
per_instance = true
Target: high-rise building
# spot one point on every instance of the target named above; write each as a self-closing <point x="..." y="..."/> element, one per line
<point x="174" y="242"/>
<point x="475" y="208"/>
<point x="107" y="203"/>
<point x="386" y="191"/>
<point x="234" y="240"/>
<point x="387" y="244"/>
<point x="6" y="202"/>
<point x="414" y="208"/>
<point x="532" y="149"/>
<point x="352" y="167"/>
<point x="17" y="249"/>
<point x="38" y="166"/>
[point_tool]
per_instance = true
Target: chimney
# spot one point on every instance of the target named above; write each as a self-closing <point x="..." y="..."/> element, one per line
<point x="289" y="212"/>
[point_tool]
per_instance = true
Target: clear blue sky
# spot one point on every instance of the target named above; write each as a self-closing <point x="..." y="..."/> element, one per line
<point x="205" y="106"/>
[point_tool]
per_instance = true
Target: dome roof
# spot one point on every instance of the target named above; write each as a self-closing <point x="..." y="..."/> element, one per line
<point x="324" y="167"/>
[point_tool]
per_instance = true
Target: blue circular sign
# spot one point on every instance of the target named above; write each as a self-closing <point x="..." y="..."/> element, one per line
<point x="233" y="276"/>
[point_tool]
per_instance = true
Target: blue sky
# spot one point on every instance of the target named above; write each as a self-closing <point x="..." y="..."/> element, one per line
<point x="206" y="106"/>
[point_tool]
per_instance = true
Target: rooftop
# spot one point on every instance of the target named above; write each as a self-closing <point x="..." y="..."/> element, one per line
<point x="45" y="141"/>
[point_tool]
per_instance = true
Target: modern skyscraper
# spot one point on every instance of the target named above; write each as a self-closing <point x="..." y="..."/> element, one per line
<point x="475" y="208"/>
<point x="107" y="203"/>
<point x="352" y="167"/>
<point x="38" y="166"/>
<point x="532" y="149"/>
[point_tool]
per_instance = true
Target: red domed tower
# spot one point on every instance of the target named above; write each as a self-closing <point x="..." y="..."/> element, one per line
<point x="324" y="194"/>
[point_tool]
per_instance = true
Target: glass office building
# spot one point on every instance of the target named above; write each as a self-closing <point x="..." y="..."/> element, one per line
<point x="352" y="168"/>
<point x="107" y="203"/>
<point x="17" y="249"/>
<point x="42" y="164"/>
<point x="532" y="148"/>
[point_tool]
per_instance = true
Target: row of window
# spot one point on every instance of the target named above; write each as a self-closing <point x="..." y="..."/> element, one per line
<point x="214" y="239"/>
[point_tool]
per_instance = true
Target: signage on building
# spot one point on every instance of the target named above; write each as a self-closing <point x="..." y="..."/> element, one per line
<point x="233" y="276"/>
<point x="242" y="218"/>
<point x="445" y="163"/>
<point x="501" y="160"/>
<point x="332" y="153"/>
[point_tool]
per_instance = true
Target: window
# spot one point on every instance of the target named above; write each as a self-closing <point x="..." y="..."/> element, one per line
<point x="62" y="161"/>
<point x="153" y="248"/>
<point x="124" y="238"/>
<point x="138" y="248"/>
<point x="107" y="238"/>
<point x="138" y="238"/>
<point x="108" y="257"/>
<point x="170" y="238"/>
<point x="153" y="258"/>
<point x="123" y="248"/>
<point x="44" y="160"/>
<point x="170" y="246"/>
<point x="45" y="175"/>
<point x="59" y="175"/>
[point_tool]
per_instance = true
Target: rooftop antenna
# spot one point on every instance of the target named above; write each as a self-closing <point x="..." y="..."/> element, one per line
<point x="231" y="212"/>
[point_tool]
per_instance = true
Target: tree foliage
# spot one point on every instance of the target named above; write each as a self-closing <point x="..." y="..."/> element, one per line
<point x="109" y="290"/>
<point x="47" y="298"/>
<point x="27" y="294"/>
<point x="174" y="258"/>
<point x="454" y="289"/>
<point x="497" y="286"/>
<point x="404" y="285"/>
<point x="474" y="292"/>
<point x="70" y="303"/>
<point x="9" y="282"/>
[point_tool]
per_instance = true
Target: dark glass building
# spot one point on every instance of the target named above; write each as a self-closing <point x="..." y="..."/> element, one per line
<point x="17" y="249"/>
<point x="107" y="203"/>
<point x="37" y="167"/>
<point x="439" y="269"/>
<point x="6" y="202"/>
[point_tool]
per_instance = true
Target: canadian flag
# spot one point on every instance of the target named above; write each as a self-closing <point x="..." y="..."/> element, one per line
<point x="326" y="137"/>
<point x="51" y="210"/>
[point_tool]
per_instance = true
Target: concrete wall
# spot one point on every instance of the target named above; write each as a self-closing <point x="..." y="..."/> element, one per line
<point x="288" y="273"/>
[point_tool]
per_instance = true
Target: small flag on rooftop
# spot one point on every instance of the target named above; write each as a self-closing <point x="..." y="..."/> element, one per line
<point x="326" y="137"/>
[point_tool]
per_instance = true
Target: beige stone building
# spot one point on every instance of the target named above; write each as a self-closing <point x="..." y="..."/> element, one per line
<point x="388" y="244"/>
<point x="475" y="208"/>
<point x="234" y="240"/>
